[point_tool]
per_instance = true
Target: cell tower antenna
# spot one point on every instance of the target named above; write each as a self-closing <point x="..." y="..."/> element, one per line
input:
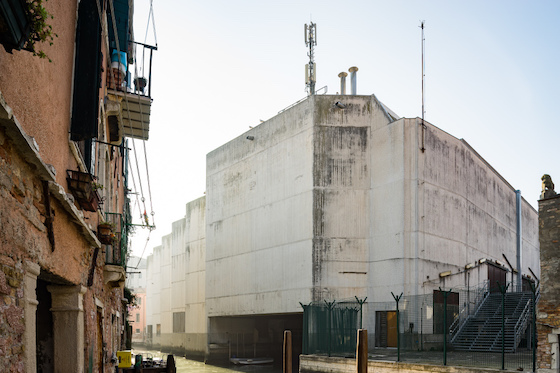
<point x="423" y="75"/>
<point x="310" y="68"/>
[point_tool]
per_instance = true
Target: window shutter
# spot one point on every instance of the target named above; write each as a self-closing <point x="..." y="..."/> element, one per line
<point x="87" y="73"/>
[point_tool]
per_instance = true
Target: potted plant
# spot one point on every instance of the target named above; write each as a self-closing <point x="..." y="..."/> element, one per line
<point x="105" y="233"/>
<point x="140" y="83"/>
<point x="41" y="30"/>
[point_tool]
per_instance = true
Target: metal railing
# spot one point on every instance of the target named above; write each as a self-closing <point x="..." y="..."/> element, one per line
<point x="466" y="312"/>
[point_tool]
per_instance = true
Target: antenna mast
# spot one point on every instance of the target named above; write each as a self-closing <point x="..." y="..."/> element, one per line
<point x="423" y="64"/>
<point x="310" y="69"/>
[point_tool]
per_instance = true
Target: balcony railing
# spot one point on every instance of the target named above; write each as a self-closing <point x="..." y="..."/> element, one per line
<point x="115" y="251"/>
<point x="132" y="90"/>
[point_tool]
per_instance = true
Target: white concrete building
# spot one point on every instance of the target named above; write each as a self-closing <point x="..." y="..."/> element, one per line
<point x="332" y="199"/>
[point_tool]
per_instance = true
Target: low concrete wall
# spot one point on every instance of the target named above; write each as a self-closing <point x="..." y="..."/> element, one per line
<point x="323" y="364"/>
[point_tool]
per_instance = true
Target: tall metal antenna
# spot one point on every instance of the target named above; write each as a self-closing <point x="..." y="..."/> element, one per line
<point x="310" y="68"/>
<point x="423" y="74"/>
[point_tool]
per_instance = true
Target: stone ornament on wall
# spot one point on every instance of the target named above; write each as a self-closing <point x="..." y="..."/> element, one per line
<point x="547" y="187"/>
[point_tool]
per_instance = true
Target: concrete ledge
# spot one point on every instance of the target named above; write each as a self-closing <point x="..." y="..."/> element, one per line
<point x="323" y="364"/>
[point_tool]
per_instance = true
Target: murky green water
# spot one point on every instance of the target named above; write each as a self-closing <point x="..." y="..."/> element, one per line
<point x="192" y="366"/>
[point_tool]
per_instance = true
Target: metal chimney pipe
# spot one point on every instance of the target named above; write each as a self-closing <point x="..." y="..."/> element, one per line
<point x="352" y="71"/>
<point x="342" y="77"/>
<point x="519" y="240"/>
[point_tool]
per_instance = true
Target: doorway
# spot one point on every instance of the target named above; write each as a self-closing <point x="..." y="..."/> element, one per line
<point x="44" y="329"/>
<point x="386" y="329"/>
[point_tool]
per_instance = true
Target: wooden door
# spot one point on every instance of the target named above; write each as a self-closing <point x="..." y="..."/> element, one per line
<point x="391" y="328"/>
<point x="495" y="275"/>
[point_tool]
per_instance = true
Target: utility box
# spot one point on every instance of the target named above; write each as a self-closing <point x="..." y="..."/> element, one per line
<point x="125" y="359"/>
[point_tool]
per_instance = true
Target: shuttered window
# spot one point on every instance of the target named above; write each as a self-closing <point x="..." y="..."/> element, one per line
<point x="87" y="73"/>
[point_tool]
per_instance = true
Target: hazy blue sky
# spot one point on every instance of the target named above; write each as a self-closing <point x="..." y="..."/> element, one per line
<point x="492" y="78"/>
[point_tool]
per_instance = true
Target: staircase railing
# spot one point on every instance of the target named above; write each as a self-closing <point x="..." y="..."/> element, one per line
<point x="521" y="324"/>
<point x="466" y="312"/>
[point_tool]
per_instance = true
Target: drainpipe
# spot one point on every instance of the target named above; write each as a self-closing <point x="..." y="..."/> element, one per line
<point x="342" y="77"/>
<point x="352" y="71"/>
<point x="518" y="208"/>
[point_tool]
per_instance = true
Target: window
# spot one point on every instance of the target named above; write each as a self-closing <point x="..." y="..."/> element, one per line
<point x="87" y="74"/>
<point x="158" y="329"/>
<point x="137" y="317"/>
<point x="178" y="322"/>
<point x="139" y="300"/>
<point x="137" y="331"/>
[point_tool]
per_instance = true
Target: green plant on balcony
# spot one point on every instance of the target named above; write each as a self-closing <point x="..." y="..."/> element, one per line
<point x="24" y="24"/>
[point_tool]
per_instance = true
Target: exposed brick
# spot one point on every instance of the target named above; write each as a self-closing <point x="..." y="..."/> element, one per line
<point x="549" y="304"/>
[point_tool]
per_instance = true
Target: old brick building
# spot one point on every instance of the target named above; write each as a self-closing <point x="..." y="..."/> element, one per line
<point x="64" y="215"/>
<point x="548" y="314"/>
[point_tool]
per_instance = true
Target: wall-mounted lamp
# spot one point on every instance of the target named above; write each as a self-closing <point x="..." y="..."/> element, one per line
<point x="445" y="274"/>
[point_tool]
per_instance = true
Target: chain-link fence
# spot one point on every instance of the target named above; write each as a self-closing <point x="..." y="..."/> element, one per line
<point x="478" y="327"/>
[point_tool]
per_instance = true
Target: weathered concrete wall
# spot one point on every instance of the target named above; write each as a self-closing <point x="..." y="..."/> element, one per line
<point x="176" y="277"/>
<point x="259" y="218"/>
<point x="341" y="178"/>
<point x="323" y="202"/>
<point x="467" y="212"/>
<point x="548" y="308"/>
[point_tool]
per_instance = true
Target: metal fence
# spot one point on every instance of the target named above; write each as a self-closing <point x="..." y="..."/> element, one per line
<point x="331" y="327"/>
<point x="477" y="327"/>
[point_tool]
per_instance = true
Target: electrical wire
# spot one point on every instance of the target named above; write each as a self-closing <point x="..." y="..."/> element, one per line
<point x="112" y="79"/>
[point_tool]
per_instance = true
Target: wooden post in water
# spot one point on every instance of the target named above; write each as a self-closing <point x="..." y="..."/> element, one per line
<point x="171" y="364"/>
<point x="287" y="362"/>
<point x="362" y="352"/>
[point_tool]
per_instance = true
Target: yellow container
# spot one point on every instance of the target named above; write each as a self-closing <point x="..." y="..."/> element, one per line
<point x="125" y="359"/>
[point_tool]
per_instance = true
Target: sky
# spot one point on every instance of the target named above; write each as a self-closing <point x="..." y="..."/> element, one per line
<point x="492" y="77"/>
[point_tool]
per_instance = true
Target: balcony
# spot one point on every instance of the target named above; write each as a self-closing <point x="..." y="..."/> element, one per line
<point x="115" y="249"/>
<point x="83" y="187"/>
<point x="129" y="94"/>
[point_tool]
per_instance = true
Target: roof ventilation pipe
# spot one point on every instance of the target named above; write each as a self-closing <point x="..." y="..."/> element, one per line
<point x="342" y="77"/>
<point x="352" y="71"/>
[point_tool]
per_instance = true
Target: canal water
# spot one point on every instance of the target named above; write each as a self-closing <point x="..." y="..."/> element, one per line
<point x="192" y="366"/>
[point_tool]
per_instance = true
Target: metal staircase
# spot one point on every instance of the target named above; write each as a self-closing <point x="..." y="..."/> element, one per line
<point x="482" y="331"/>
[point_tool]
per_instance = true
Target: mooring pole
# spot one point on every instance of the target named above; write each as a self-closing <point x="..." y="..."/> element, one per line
<point x="397" y="299"/>
<point x="287" y="352"/>
<point x="362" y="352"/>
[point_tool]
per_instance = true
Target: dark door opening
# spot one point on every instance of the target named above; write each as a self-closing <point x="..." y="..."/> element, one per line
<point x="44" y="329"/>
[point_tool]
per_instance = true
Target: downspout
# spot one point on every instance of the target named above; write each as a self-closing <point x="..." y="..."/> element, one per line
<point x="519" y="237"/>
